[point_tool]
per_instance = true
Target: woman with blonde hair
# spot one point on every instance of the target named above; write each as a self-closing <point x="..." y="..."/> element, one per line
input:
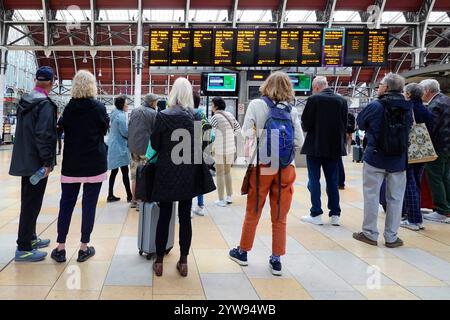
<point x="276" y="92"/>
<point x="85" y="123"/>
<point x="179" y="175"/>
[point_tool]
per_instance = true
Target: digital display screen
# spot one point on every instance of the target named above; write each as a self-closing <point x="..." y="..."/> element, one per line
<point x="267" y="47"/>
<point x="159" y="47"/>
<point x="245" y="47"/>
<point x="180" y="47"/>
<point x="202" y="47"/>
<point x="333" y="47"/>
<point x="225" y="82"/>
<point x="300" y="81"/>
<point x="311" y="48"/>
<point x="223" y="47"/>
<point x="289" y="47"/>
<point x="377" y="47"/>
<point x="355" y="46"/>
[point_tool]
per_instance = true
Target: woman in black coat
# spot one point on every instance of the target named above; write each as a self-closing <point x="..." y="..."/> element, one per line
<point x="180" y="173"/>
<point x="85" y="123"/>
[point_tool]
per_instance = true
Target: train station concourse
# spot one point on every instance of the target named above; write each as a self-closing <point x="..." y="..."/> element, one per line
<point x="236" y="150"/>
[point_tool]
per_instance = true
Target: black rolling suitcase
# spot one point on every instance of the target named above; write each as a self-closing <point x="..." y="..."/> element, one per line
<point x="357" y="153"/>
<point x="148" y="220"/>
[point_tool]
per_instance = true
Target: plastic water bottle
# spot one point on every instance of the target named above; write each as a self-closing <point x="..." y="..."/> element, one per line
<point x="38" y="176"/>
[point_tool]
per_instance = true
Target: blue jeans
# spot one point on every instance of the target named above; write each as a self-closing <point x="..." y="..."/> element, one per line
<point x="341" y="173"/>
<point x="200" y="201"/>
<point x="330" y="170"/>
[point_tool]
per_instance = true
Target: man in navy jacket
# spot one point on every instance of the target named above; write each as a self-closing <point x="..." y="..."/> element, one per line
<point x="379" y="166"/>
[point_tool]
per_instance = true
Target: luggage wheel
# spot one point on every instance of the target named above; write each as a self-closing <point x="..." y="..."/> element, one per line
<point x="140" y="252"/>
<point x="168" y="250"/>
<point x="149" y="256"/>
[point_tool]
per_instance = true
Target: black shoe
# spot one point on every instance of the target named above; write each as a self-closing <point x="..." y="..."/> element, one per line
<point x="342" y="187"/>
<point x="58" y="256"/>
<point x="112" y="199"/>
<point x="84" y="255"/>
<point x="129" y="199"/>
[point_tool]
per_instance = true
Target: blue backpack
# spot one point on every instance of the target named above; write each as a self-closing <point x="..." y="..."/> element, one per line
<point x="279" y="125"/>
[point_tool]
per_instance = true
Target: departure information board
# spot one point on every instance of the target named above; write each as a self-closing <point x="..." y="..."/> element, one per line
<point x="202" y="47"/>
<point x="355" y="47"/>
<point x="289" y="47"/>
<point x="159" y="47"/>
<point x="180" y="51"/>
<point x="377" y="47"/>
<point x="311" y="48"/>
<point x="245" y="47"/>
<point x="333" y="47"/>
<point x="223" y="47"/>
<point x="267" y="47"/>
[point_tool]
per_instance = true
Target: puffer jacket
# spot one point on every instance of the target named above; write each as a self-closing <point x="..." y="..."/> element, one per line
<point x="35" y="141"/>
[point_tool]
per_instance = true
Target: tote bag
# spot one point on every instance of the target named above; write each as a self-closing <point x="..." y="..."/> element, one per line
<point x="420" y="147"/>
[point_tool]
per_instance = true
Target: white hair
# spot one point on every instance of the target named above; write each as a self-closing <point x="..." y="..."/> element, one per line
<point x="394" y="82"/>
<point x="181" y="94"/>
<point x="431" y="85"/>
<point x="321" y="81"/>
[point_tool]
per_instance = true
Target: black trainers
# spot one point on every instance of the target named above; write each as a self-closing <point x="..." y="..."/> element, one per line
<point x="275" y="267"/>
<point x="112" y="199"/>
<point x="84" y="255"/>
<point x="58" y="256"/>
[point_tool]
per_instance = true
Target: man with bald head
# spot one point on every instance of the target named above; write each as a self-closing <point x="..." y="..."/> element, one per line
<point x="325" y="121"/>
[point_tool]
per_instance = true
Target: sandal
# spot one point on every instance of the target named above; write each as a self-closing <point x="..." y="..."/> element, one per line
<point x="158" y="268"/>
<point x="182" y="269"/>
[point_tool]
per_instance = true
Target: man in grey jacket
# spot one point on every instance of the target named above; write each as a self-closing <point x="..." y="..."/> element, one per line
<point x="142" y="122"/>
<point x="34" y="148"/>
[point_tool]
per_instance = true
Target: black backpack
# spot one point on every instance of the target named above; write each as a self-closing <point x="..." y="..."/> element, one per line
<point x="394" y="133"/>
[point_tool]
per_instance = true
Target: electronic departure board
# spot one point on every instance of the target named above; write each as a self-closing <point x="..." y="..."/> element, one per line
<point x="333" y="47"/>
<point x="377" y="47"/>
<point x="202" y="47"/>
<point x="289" y="47"/>
<point x="159" y="47"/>
<point x="267" y="47"/>
<point x="180" y="50"/>
<point x="355" y="47"/>
<point x="311" y="48"/>
<point x="245" y="47"/>
<point x="223" y="47"/>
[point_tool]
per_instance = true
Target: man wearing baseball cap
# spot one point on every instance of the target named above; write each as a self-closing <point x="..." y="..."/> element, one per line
<point x="34" y="149"/>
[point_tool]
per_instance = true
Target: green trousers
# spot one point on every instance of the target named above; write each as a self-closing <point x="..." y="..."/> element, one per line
<point x="438" y="173"/>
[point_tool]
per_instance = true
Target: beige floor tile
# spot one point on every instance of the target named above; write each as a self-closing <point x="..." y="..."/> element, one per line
<point x="126" y="293"/>
<point x="73" y="295"/>
<point x="279" y="289"/>
<point x="178" y="297"/>
<point x="215" y="261"/>
<point x="26" y="274"/>
<point x="208" y="240"/>
<point x="106" y="231"/>
<point x="403" y="273"/>
<point x="314" y="240"/>
<point x="386" y="292"/>
<point x="361" y="249"/>
<point x="10" y="228"/>
<point x="89" y="275"/>
<point x="24" y="292"/>
<point x="425" y="243"/>
<point x="441" y="254"/>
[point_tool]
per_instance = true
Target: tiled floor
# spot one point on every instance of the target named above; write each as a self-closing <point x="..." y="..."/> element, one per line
<point x="322" y="262"/>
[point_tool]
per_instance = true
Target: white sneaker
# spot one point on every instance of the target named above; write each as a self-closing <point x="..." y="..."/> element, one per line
<point x="334" y="220"/>
<point x="434" y="216"/>
<point x="411" y="226"/>
<point x="200" y="211"/>
<point x="313" y="220"/>
<point x="228" y="199"/>
<point x="220" y="203"/>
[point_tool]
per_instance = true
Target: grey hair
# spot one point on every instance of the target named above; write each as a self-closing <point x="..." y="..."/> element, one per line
<point x="181" y="94"/>
<point x="415" y="90"/>
<point x="394" y="82"/>
<point x="150" y="97"/>
<point x="321" y="81"/>
<point x="431" y="85"/>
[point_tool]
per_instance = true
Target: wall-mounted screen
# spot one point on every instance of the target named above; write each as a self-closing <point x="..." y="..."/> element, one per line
<point x="300" y="81"/>
<point x="221" y="82"/>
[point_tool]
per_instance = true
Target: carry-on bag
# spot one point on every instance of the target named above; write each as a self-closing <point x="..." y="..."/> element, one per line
<point x="357" y="153"/>
<point x="148" y="221"/>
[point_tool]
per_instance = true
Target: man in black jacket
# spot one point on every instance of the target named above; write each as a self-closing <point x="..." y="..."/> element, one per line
<point x="324" y="119"/>
<point x="34" y="148"/>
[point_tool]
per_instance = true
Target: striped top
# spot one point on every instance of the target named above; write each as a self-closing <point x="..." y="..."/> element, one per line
<point x="226" y="127"/>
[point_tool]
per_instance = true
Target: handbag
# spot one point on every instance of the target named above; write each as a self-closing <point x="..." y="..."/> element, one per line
<point x="420" y="147"/>
<point x="246" y="182"/>
<point x="145" y="178"/>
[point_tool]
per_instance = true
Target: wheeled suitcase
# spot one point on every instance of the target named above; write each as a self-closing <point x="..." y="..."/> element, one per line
<point x="148" y="220"/>
<point x="357" y="153"/>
